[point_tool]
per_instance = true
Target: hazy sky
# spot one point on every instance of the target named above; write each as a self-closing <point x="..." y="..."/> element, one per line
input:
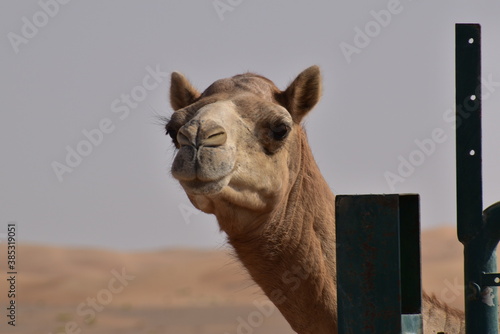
<point x="92" y="77"/>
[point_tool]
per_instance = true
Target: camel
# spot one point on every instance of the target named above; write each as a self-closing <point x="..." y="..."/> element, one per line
<point x="243" y="156"/>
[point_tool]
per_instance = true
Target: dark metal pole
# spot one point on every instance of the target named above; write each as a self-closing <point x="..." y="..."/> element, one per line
<point x="479" y="236"/>
<point x="378" y="253"/>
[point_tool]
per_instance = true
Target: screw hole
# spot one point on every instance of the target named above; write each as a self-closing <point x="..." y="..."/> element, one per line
<point x="472" y="152"/>
<point x="471" y="40"/>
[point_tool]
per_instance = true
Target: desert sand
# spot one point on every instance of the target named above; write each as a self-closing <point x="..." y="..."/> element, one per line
<point x="71" y="290"/>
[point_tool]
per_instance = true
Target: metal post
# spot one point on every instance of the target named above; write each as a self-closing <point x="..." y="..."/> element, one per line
<point x="479" y="234"/>
<point x="378" y="281"/>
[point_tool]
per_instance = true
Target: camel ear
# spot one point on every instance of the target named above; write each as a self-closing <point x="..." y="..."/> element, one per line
<point x="182" y="93"/>
<point x="302" y="94"/>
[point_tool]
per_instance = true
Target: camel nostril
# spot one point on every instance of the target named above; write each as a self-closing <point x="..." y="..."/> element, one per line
<point x="216" y="134"/>
<point x="184" y="138"/>
<point x="195" y="134"/>
<point x="214" y="137"/>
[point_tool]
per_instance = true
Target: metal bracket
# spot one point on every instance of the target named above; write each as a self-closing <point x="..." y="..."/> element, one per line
<point x="490" y="279"/>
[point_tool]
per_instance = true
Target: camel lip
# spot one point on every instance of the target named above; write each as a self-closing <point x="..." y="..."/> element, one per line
<point x="199" y="187"/>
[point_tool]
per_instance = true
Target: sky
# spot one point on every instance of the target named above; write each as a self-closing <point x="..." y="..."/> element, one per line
<point x="85" y="161"/>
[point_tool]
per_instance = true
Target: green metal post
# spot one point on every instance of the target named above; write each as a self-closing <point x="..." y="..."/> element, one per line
<point x="378" y="253"/>
<point x="478" y="234"/>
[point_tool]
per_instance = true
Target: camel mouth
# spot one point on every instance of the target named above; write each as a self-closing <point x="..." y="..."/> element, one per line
<point x="204" y="170"/>
<point x="199" y="187"/>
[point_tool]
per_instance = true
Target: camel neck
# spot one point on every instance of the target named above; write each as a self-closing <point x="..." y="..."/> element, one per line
<point x="292" y="257"/>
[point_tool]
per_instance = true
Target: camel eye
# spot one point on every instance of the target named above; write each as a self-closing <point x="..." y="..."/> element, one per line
<point x="172" y="132"/>
<point x="280" y="131"/>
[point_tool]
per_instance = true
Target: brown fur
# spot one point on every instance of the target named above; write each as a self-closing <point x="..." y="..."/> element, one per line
<point x="182" y="93"/>
<point x="261" y="182"/>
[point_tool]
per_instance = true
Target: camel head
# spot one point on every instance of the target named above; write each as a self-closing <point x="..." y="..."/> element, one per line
<point x="237" y="142"/>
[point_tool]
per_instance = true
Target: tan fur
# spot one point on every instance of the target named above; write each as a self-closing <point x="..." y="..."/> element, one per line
<point x="244" y="157"/>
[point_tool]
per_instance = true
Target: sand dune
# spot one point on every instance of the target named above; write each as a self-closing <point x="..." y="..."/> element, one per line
<point x="172" y="291"/>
